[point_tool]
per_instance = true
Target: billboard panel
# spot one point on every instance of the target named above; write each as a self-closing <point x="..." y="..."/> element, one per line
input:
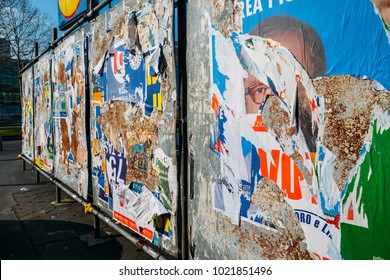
<point x="69" y="11"/>
<point x="43" y="132"/>
<point x="68" y="76"/>
<point x="133" y="119"/>
<point x="27" y="114"/>
<point x="297" y="114"/>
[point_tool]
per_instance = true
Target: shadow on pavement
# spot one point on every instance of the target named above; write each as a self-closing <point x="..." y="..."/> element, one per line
<point x="56" y="240"/>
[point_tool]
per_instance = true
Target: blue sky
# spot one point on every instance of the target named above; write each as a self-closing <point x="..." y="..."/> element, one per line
<point x="49" y="7"/>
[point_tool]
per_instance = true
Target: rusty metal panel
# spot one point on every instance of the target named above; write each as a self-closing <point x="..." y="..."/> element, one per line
<point x="43" y="134"/>
<point x="28" y="114"/>
<point x="133" y="105"/>
<point x="293" y="162"/>
<point x="68" y="77"/>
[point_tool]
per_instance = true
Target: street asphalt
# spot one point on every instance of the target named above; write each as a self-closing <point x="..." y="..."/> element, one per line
<point x="34" y="227"/>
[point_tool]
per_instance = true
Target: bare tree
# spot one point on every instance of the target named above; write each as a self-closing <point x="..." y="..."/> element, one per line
<point x="21" y="25"/>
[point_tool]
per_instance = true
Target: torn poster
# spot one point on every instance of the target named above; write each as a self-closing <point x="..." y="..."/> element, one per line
<point x="136" y="207"/>
<point x="124" y="73"/>
<point x="130" y="77"/>
<point x="68" y="76"/>
<point x="134" y="178"/>
<point x="43" y="145"/>
<point x="27" y="114"/>
<point x="280" y="128"/>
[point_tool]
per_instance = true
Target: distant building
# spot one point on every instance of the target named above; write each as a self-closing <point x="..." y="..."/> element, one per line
<point x="5" y="48"/>
<point x="10" y="102"/>
<point x="9" y="71"/>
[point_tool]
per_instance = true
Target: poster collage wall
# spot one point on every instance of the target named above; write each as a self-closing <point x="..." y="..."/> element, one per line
<point x="69" y="105"/>
<point x="119" y="70"/>
<point x="131" y="118"/>
<point x="300" y="95"/>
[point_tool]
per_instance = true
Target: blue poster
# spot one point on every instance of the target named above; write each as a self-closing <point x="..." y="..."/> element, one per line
<point x="348" y="37"/>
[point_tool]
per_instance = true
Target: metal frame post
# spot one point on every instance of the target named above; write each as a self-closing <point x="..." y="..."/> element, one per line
<point x="36" y="49"/>
<point x="37" y="176"/>
<point x="182" y="55"/>
<point x="54" y="34"/>
<point x="96" y="226"/>
<point x="58" y="195"/>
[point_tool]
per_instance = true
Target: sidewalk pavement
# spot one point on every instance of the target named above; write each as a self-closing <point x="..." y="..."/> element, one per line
<point x="34" y="227"/>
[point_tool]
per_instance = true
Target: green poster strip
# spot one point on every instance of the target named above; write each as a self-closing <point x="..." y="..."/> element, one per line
<point x="374" y="186"/>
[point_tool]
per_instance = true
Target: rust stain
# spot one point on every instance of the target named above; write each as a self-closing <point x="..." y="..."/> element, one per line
<point x="228" y="15"/>
<point x="285" y="248"/>
<point x="349" y="102"/>
<point x="287" y="243"/>
<point x="102" y="39"/>
<point x="72" y="131"/>
<point x="61" y="73"/>
<point x="119" y="24"/>
<point x="65" y="143"/>
<point x="276" y="119"/>
<point x="46" y="77"/>
<point x="279" y="68"/>
<point x="76" y="132"/>
<point x="101" y="44"/>
<point x="121" y="125"/>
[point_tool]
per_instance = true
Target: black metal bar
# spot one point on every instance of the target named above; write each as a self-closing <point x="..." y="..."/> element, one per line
<point x="27" y="160"/>
<point x="52" y="126"/>
<point x="55" y="34"/>
<point x="37" y="176"/>
<point x="182" y="56"/>
<point x="96" y="226"/>
<point x="21" y="103"/>
<point x="58" y="195"/>
<point x="93" y="3"/>
<point x="33" y="112"/>
<point x="36" y="49"/>
<point x="88" y="116"/>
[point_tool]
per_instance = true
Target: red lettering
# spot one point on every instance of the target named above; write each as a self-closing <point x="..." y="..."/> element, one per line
<point x="291" y="189"/>
<point x="286" y="175"/>
<point x="296" y="194"/>
<point x="215" y="104"/>
<point x="259" y="125"/>
<point x="273" y="174"/>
